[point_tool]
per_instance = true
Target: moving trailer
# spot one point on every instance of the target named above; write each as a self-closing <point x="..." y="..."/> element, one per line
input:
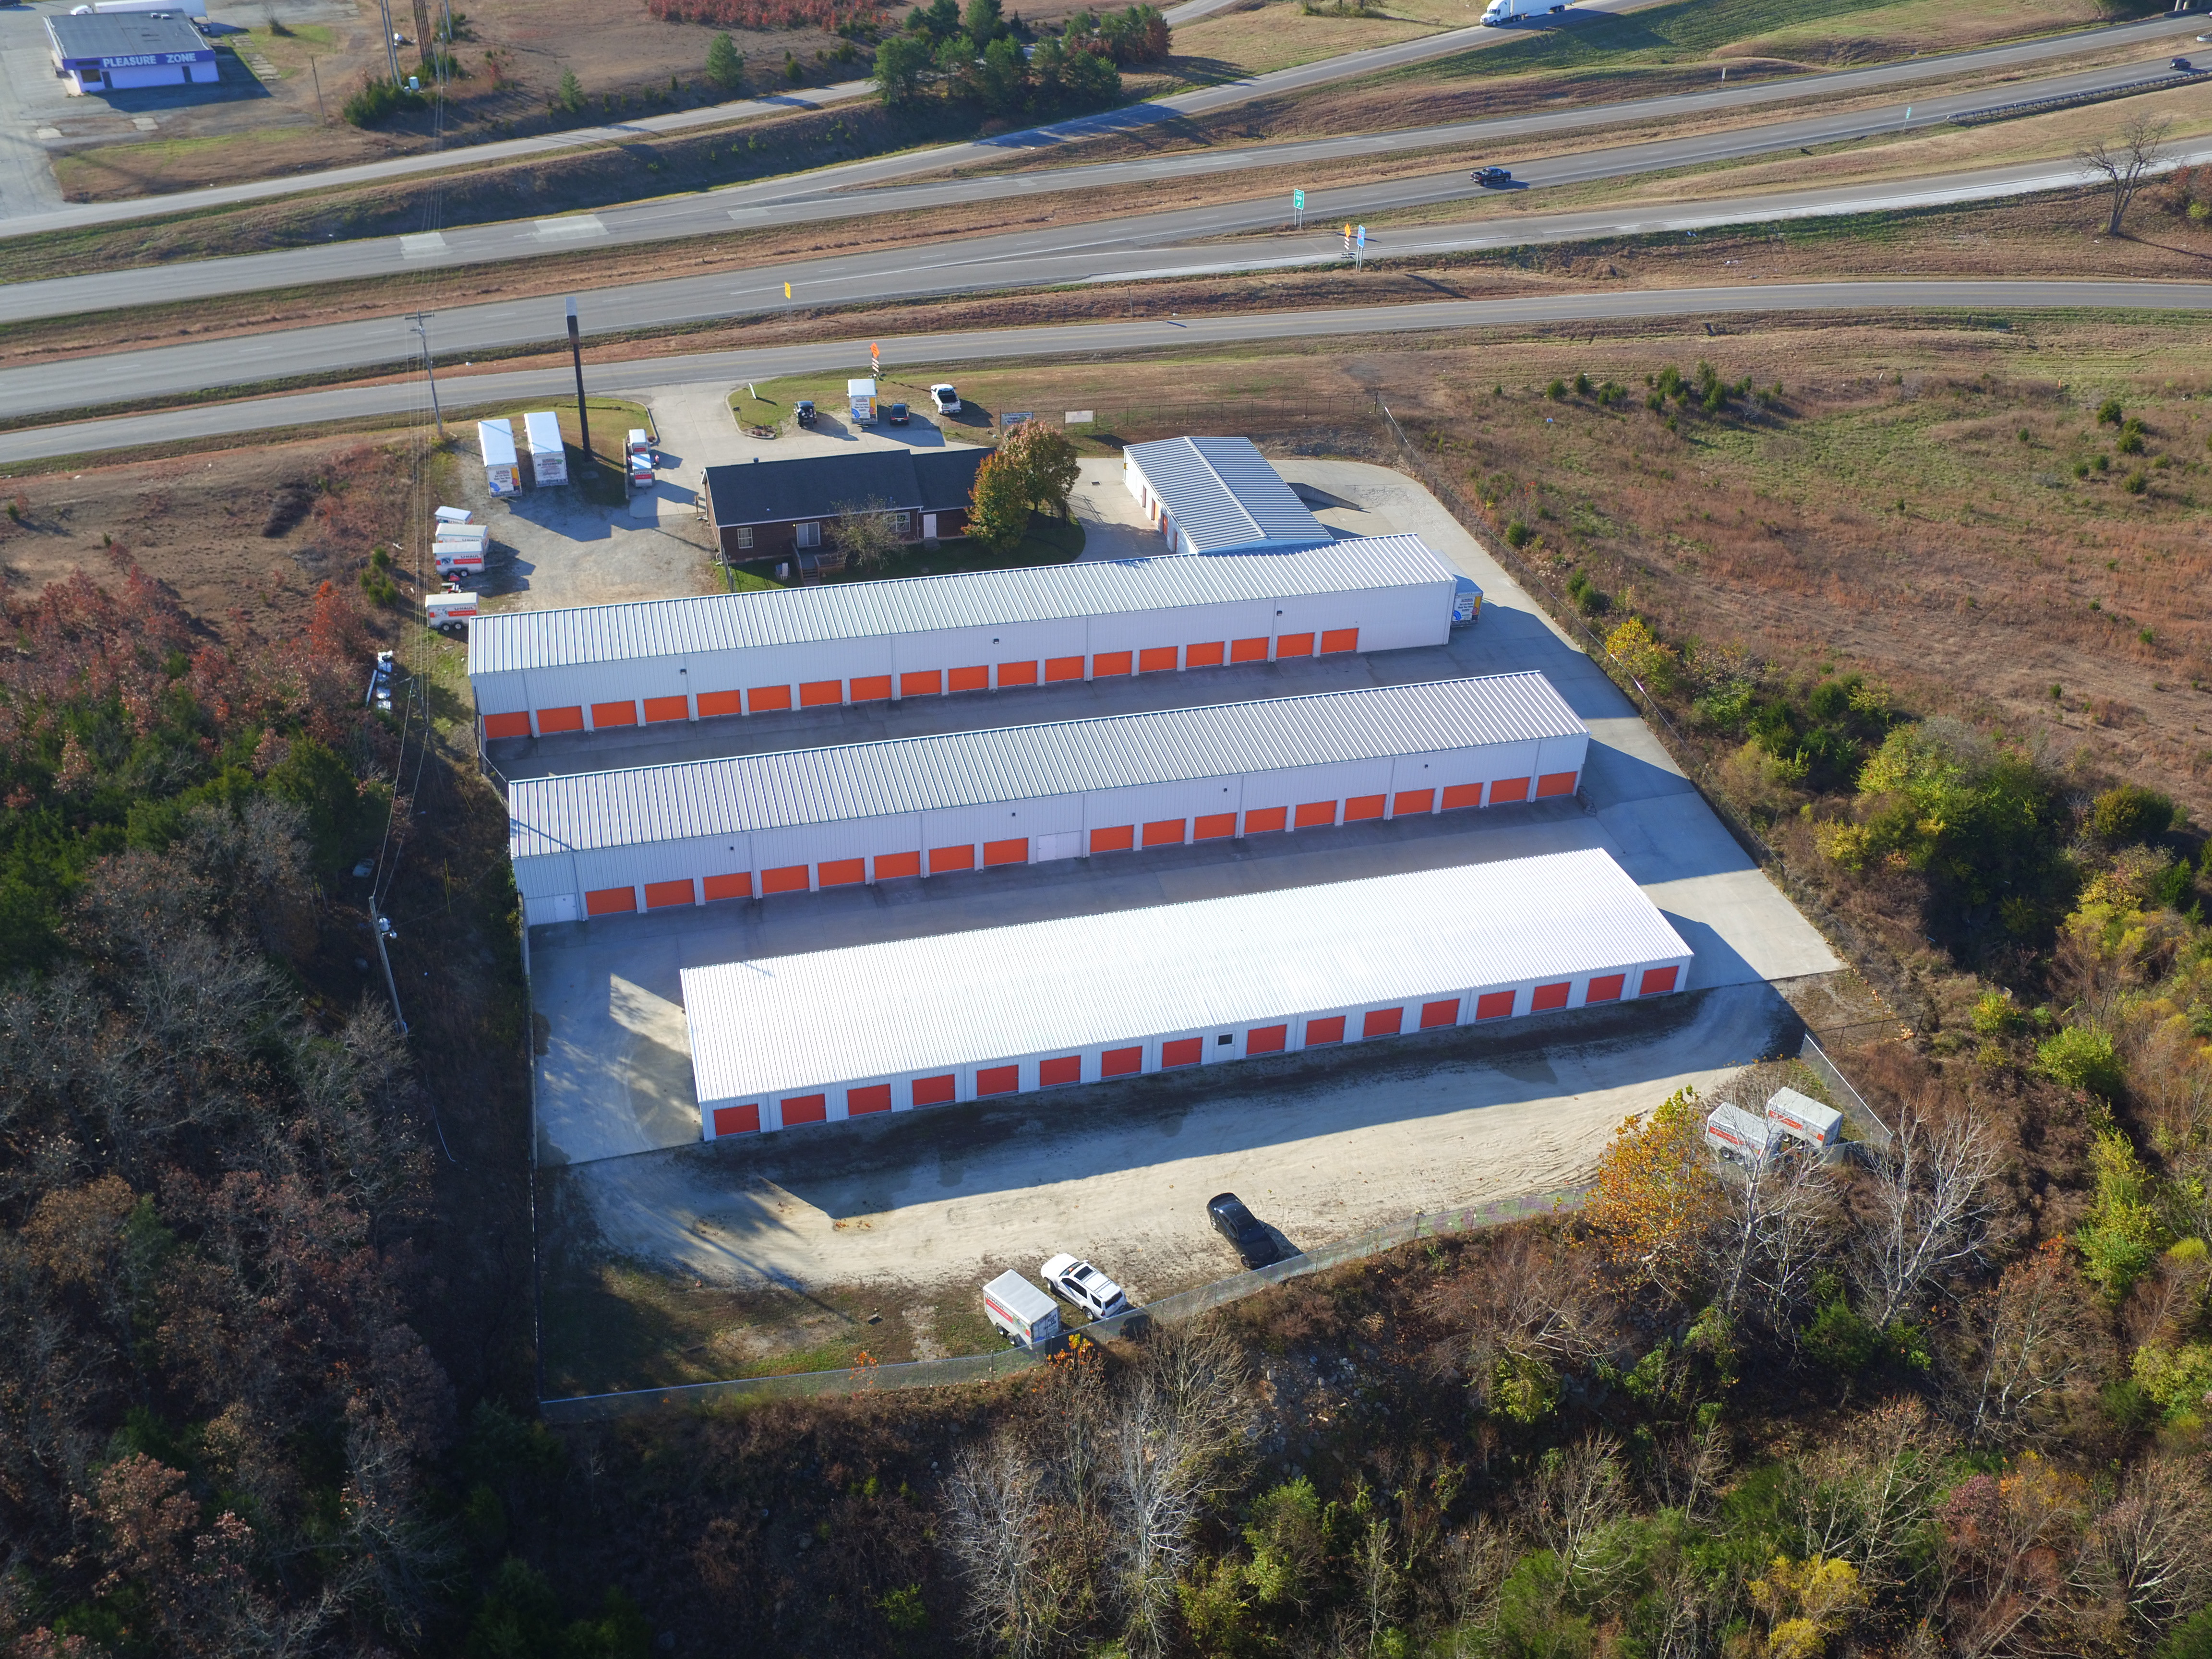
<point x="448" y="611"/>
<point x="1804" y="1118"/>
<point x="1027" y="1316"/>
<point x="502" y="471"/>
<point x="1735" y="1132"/>
<point x="549" y="451"/>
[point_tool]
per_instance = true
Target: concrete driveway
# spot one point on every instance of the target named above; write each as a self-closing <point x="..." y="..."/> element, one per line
<point x="1113" y="526"/>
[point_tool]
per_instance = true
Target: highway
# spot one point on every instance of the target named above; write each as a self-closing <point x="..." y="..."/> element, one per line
<point x="807" y="197"/>
<point x="1143" y="246"/>
<point x="1061" y="342"/>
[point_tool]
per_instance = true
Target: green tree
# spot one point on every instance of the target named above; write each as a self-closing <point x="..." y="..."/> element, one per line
<point x="726" y="64"/>
<point x="1092" y="78"/>
<point x="903" y="62"/>
<point x="1047" y="462"/>
<point x="998" y="509"/>
<point x="1048" y="66"/>
<point x="940" y="20"/>
<point x="955" y="65"/>
<point x="1004" y="77"/>
<point x="568" y="100"/>
<point x="2130" y="814"/>
<point x="983" y="21"/>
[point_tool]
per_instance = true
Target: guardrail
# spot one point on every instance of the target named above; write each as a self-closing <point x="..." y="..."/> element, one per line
<point x="1975" y="117"/>
<point x="1011" y="1362"/>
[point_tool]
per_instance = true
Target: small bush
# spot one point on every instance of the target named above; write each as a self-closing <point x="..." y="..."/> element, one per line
<point x="376" y="102"/>
<point x="2083" y="1057"/>
<point x="1556" y="391"/>
<point x="1581" y="385"/>
<point x="2109" y="413"/>
<point x="1588" y="597"/>
<point x="1996" y="1015"/>
<point x="2135" y="483"/>
<point x="2103" y="464"/>
<point x="2130" y="816"/>
<point x="1518" y="535"/>
<point x="568" y="98"/>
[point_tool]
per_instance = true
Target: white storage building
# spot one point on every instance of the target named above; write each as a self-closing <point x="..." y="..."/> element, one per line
<point x="548" y="453"/>
<point x="536" y="672"/>
<point x="831" y="1034"/>
<point x="603" y="843"/>
<point x="1217" y="496"/>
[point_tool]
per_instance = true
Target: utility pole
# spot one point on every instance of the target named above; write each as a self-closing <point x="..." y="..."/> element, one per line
<point x="583" y="416"/>
<point x="382" y="929"/>
<point x="390" y="47"/>
<point x="321" y="112"/>
<point x="429" y="368"/>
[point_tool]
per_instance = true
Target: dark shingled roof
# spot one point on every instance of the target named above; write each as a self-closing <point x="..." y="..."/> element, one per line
<point x="818" y="486"/>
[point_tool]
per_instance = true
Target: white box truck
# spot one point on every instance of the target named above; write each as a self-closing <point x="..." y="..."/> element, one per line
<point x="1805" y="1119"/>
<point x="1736" y="1134"/>
<point x="450" y="610"/>
<point x="502" y="471"/>
<point x="1027" y="1316"/>
<point x="548" y="453"/>
<point x="1505" y="11"/>
<point x="861" y="395"/>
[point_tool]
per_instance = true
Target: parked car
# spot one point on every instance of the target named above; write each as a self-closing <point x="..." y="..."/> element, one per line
<point x="947" y="400"/>
<point x="1490" y="178"/>
<point x="896" y="414"/>
<point x="1085" y="1286"/>
<point x="1254" y="1244"/>
<point x="805" y="410"/>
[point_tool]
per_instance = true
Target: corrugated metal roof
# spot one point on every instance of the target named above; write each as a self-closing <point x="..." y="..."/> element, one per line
<point x="513" y="640"/>
<point x="1024" y="762"/>
<point x="928" y="1005"/>
<point x="1222" y="493"/>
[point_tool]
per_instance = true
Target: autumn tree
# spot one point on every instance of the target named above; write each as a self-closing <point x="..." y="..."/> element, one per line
<point x="1655" y="1200"/>
<point x="1048" y="463"/>
<point x="1000" y="505"/>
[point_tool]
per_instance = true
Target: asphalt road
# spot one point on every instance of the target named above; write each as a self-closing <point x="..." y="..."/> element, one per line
<point x="1065" y="340"/>
<point x="1138" y="247"/>
<point x="800" y="199"/>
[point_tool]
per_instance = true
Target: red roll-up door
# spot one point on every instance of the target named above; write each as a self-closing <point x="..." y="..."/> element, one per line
<point x="1505" y="789"/>
<point x="1122" y="1062"/>
<point x="1548" y="997"/>
<point x="1605" y="987"/>
<point x="806" y="1108"/>
<point x="876" y="1097"/>
<point x="659" y="895"/>
<point x="1434" y="1014"/>
<point x="1205" y="656"/>
<point x="872" y="688"/>
<point x="942" y="859"/>
<point x="1357" y="807"/>
<point x="550" y="721"/>
<point x="1339" y="639"/>
<point x="658" y="709"/>
<point x="1214" y="826"/>
<point x="712" y="703"/>
<point x="1247" y="650"/>
<point x="1017" y="673"/>
<point x="1410" y="801"/>
<point x="765" y="699"/>
<point x="1462" y="795"/>
<point x="1262" y="819"/>
<point x="1183" y="1051"/>
<point x="841" y="873"/>
<point x="1164" y="832"/>
<point x="1382" y="1022"/>
<point x="606" y="714"/>
<point x="1068" y="1068"/>
<point x="1555" y="783"/>
<point x="998" y="1080"/>
<point x="1063" y="668"/>
<point x="611" y="901"/>
<point x="1656" y="980"/>
<point x="739" y="885"/>
<point x="1156" y="660"/>
<point x="1015" y="850"/>
<point x="1315" y="814"/>
<point x="506" y="726"/>
<point x="934" y="1091"/>
<point x="1293" y="645"/>
<point x="1265" y="1039"/>
<point x="1120" y="839"/>
<point x="1322" y="1032"/>
<point x="736" y="1121"/>
<point x="790" y="878"/>
<point x="1108" y="663"/>
<point x="817" y="694"/>
<point x="1493" y="1005"/>
<point x="923" y="683"/>
<point x="970" y="679"/>
<point x="890" y="865"/>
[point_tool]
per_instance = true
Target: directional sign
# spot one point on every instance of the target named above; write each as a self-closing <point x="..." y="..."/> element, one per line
<point x="875" y="358"/>
<point x="1078" y="418"/>
<point x="1298" y="200"/>
<point x="787" y="290"/>
<point x="1347" y="239"/>
<point x="1015" y="418"/>
<point x="1363" y="236"/>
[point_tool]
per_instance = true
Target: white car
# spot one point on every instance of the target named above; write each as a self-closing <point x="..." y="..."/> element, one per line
<point x="947" y="400"/>
<point x="1085" y="1286"/>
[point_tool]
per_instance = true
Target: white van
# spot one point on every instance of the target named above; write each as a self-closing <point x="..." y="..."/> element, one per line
<point x="1027" y="1316"/>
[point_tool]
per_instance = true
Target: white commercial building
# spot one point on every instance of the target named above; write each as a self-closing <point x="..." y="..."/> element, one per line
<point x="1217" y="496"/>
<point x="105" y="51"/>
<point x="831" y="1034"/>
<point x="602" y="843"/>
<point x="538" y="672"/>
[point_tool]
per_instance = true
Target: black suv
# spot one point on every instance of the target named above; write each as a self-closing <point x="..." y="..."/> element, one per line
<point x="805" y="410"/>
<point x="1491" y="178"/>
<point x="1253" y="1243"/>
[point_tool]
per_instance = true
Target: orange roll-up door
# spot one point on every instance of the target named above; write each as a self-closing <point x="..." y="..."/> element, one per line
<point x="1493" y="1005"/>
<point x="1068" y="1068"/>
<point x="970" y="679"/>
<point x="1293" y="645"/>
<point x="816" y="694"/>
<point x="729" y="887"/>
<point x="761" y="699"/>
<point x="1555" y="783"/>
<point x="934" y="1091"/>
<point x="1549" y="997"/>
<point x="890" y="865"/>
<point x="806" y="1108"/>
<point x="1119" y="839"/>
<point x="712" y="703"/>
<point x="1015" y="850"/>
<point x="605" y="715"/>
<point x="611" y="901"/>
<point x="1382" y="1022"/>
<point x="1339" y="639"/>
<point x="506" y="726"/>
<point x="1315" y="814"/>
<point x="1214" y="826"/>
<point x="1108" y="663"/>
<point x="1262" y="819"/>
<point x="736" y="1121"/>
<point x="876" y="1097"/>
<point x="1605" y="987"/>
<point x="1122" y="1062"/>
<point x="1361" y="807"/>
<point x="658" y="709"/>
<point x="550" y="721"/>
<point x="1265" y="1039"/>
<point x="841" y="873"/>
<point x="1411" y="801"/>
<point x="1322" y="1032"/>
<point x="871" y="687"/>
<point x="1462" y="795"/>
<point x="923" y="683"/>
<point x="998" y="1080"/>
<point x="942" y="859"/>
<point x="790" y="878"/>
<point x="1184" y="1051"/>
<point x="1507" y="789"/>
<point x="1156" y="660"/>
<point x="1656" y="980"/>
<point x="1164" y="832"/>
<point x="659" y="895"/>
<point x="1205" y="656"/>
<point x="1063" y="668"/>
<point x="1247" y="650"/>
<point x="1434" y="1014"/>
<point x="1017" y="673"/>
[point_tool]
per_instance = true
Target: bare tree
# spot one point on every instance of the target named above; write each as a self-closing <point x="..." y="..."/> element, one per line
<point x="1480" y="1558"/>
<point x="2038" y="1348"/>
<point x="2121" y="164"/>
<point x="2148" y="1557"/>
<point x="1529" y="1301"/>
<point x="1579" y="1493"/>
<point x="1931" y="1209"/>
<point x="997" y="1527"/>
<point x="866" y="532"/>
<point x="1374" y="1564"/>
<point x="1771" y="1238"/>
<point x="1865" y="1488"/>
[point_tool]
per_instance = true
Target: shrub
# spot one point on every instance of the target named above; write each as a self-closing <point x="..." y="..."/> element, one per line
<point x="1518" y="535"/>
<point x="726" y="64"/>
<point x="1996" y="1015"/>
<point x="376" y="102"/>
<point x="2131" y="437"/>
<point x="2082" y="1057"/>
<point x="2109" y="413"/>
<point x="2130" y="815"/>
<point x="568" y="98"/>
<point x="1635" y="647"/>
<point x="1586" y="596"/>
<point x="2135" y="483"/>
<point x="1556" y="391"/>
<point x="1581" y="385"/>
